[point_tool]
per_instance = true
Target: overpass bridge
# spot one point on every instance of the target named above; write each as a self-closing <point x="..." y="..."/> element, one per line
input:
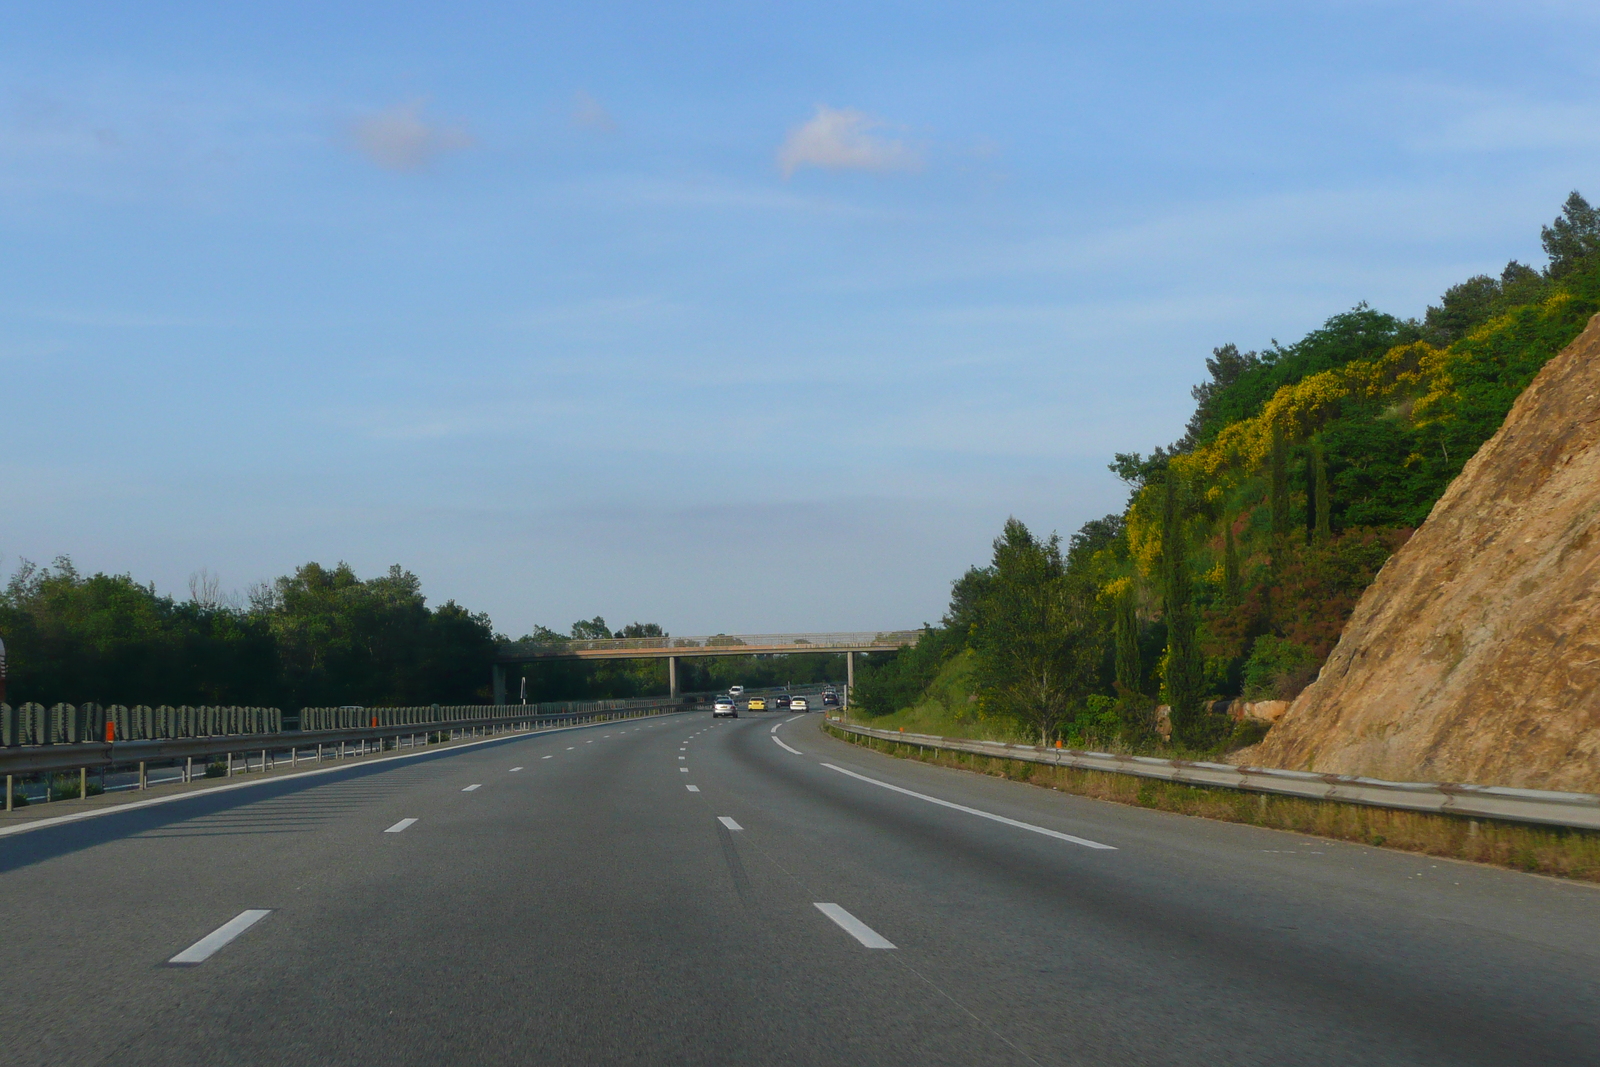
<point x="670" y="648"/>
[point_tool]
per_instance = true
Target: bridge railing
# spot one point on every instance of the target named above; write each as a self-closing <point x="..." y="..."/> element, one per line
<point x="821" y="642"/>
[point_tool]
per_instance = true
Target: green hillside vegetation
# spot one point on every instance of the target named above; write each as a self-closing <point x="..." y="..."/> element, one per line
<point x="1247" y="542"/>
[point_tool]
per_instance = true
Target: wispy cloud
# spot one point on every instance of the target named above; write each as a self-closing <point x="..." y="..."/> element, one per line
<point x="843" y="139"/>
<point x="591" y="114"/>
<point x="404" y="138"/>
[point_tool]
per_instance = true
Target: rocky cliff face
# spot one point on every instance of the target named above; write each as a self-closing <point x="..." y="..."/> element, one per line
<point x="1475" y="655"/>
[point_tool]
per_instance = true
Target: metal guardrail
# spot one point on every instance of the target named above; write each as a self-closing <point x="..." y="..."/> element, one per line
<point x="1572" y="810"/>
<point x="717" y="644"/>
<point x="103" y="756"/>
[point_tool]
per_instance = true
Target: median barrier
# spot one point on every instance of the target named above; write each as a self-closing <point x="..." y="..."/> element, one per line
<point x="364" y="728"/>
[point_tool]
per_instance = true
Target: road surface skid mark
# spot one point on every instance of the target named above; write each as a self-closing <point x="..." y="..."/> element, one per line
<point x="855" y="927"/>
<point x="1084" y="841"/>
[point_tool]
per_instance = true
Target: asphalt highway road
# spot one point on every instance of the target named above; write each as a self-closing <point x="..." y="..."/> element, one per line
<point x="672" y="891"/>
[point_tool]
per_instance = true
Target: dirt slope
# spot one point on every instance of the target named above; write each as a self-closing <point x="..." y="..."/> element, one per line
<point x="1475" y="655"/>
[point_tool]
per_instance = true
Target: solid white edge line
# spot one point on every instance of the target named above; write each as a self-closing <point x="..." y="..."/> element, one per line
<point x="474" y="785"/>
<point x="692" y="788"/>
<point x="57" y="820"/>
<point x="207" y="946"/>
<point x="399" y="826"/>
<point x="855" y="927"/>
<point x="1084" y="841"/>
<point x="728" y="822"/>
<point x="786" y="748"/>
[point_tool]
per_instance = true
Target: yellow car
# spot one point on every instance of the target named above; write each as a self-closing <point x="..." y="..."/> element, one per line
<point x="757" y="704"/>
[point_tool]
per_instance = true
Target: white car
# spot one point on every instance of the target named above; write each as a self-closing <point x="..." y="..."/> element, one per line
<point x="799" y="704"/>
<point x="736" y="690"/>
<point x="725" y="706"/>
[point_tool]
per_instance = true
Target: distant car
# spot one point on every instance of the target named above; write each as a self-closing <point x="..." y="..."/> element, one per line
<point x="724" y="706"/>
<point x="781" y="700"/>
<point x="756" y="704"/>
<point x="736" y="690"/>
<point x="799" y="704"/>
<point x="830" y="698"/>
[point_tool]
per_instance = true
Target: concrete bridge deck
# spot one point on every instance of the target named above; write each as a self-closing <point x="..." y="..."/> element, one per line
<point x="671" y="648"/>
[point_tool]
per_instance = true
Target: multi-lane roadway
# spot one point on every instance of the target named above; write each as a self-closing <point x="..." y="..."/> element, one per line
<point x="753" y="891"/>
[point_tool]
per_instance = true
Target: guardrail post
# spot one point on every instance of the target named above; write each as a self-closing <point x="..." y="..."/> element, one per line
<point x="8" y="792"/>
<point x="83" y="783"/>
<point x="142" y="780"/>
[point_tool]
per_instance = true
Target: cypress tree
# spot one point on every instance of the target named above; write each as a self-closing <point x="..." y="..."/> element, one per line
<point x="1130" y="672"/>
<point x="1279" y="473"/>
<point x="1321" y="526"/>
<point x="1184" y="675"/>
<point x="1230" y="566"/>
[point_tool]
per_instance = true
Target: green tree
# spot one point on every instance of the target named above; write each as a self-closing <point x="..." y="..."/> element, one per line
<point x="1034" y="634"/>
<point x="1278" y="485"/>
<point x="1573" y="237"/>
<point x="1231" y="580"/>
<point x="1184" y="668"/>
<point x="1125" y="634"/>
<point x="1319" y="510"/>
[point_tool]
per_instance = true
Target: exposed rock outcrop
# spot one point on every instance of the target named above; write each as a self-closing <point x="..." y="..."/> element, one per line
<point x="1475" y="655"/>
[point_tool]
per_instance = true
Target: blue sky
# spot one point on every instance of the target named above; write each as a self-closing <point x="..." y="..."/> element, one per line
<point x="744" y="318"/>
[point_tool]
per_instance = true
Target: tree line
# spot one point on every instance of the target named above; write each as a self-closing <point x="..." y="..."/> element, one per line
<point x="320" y="637"/>
<point x="1246" y="543"/>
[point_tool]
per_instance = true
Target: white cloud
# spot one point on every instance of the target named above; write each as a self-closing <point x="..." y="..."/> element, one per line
<point x="403" y="138"/>
<point x="842" y="139"/>
<point x="591" y="114"/>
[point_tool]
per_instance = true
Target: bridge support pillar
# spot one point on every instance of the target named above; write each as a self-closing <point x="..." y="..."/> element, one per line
<point x="499" y="684"/>
<point x="850" y="670"/>
<point x="672" y="677"/>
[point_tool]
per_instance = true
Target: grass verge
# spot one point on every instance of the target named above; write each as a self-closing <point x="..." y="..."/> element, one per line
<point x="1538" y="849"/>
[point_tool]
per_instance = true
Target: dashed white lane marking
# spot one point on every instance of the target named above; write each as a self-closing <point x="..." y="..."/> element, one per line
<point x="792" y="718"/>
<point x="207" y="946"/>
<point x="729" y="823"/>
<point x="785" y="747"/>
<point x="514" y="770"/>
<point x="683" y="757"/>
<point x="547" y="757"/>
<point x="774" y="727"/>
<point x="474" y="785"/>
<point x="399" y="826"/>
<point x="692" y="788"/>
<point x="1084" y="841"/>
<point x="855" y="927"/>
<point x="571" y="747"/>
<point x="684" y="770"/>
<point x="590" y="741"/>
